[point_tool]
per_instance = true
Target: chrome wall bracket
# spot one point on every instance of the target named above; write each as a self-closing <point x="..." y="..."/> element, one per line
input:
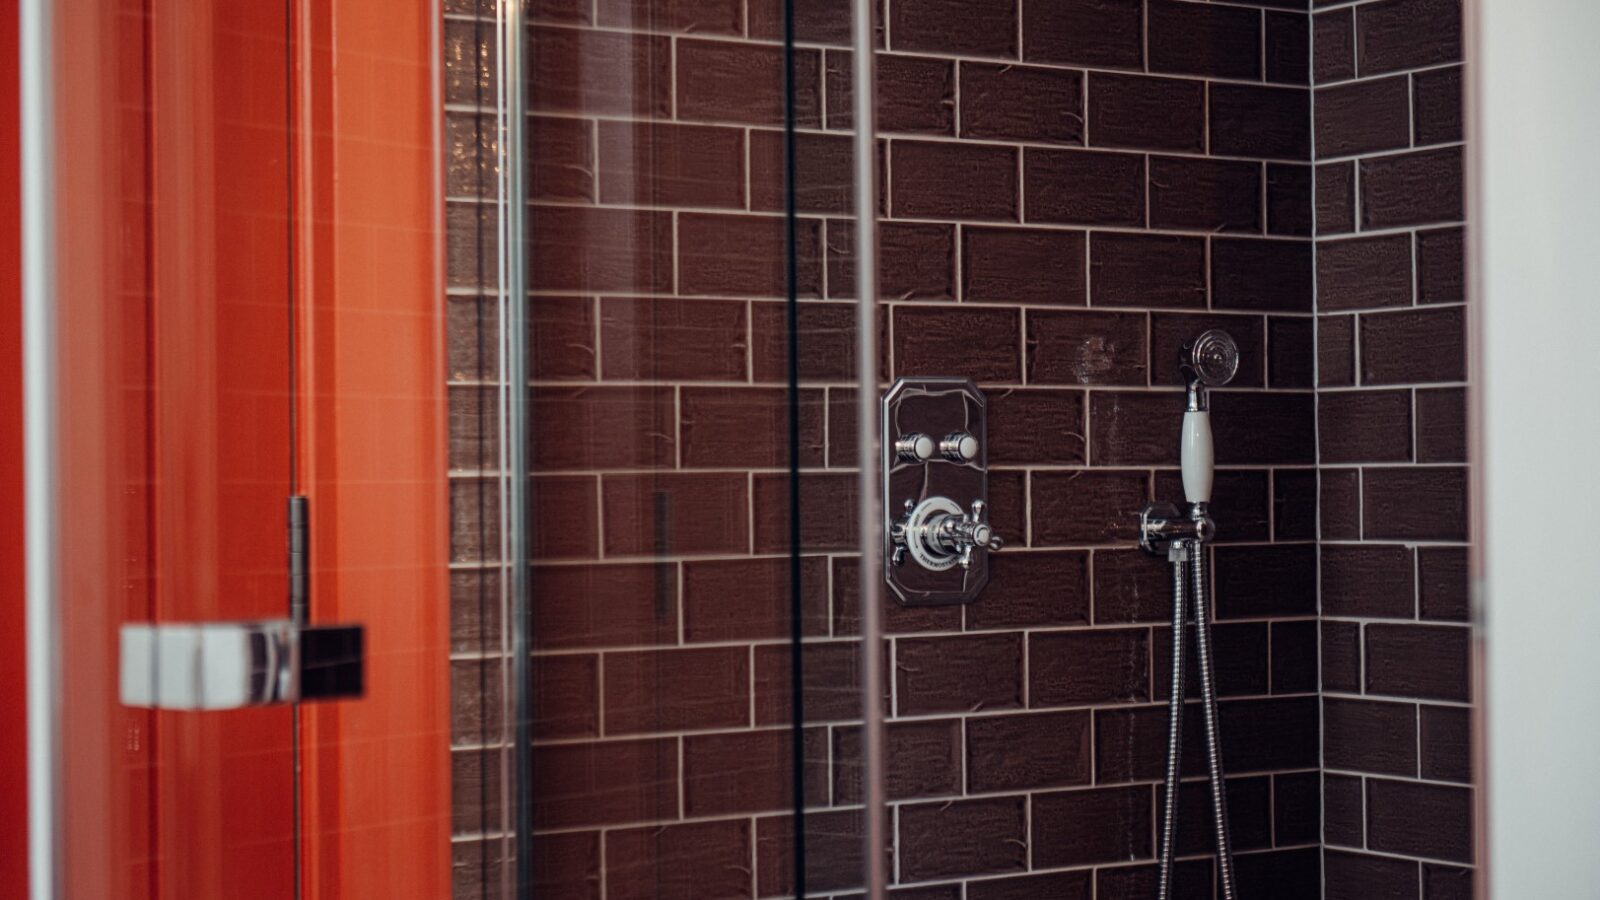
<point x="936" y="491"/>
<point x="232" y="665"/>
<point x="1164" y="531"/>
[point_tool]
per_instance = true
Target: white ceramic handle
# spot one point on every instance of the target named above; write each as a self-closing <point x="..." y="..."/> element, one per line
<point x="1197" y="456"/>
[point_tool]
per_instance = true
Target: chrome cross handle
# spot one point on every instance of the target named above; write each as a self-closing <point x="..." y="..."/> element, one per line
<point x="939" y="534"/>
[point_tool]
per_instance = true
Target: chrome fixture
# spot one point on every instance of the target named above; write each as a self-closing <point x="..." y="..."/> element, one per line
<point x="232" y="665"/>
<point x="1211" y="360"/>
<point x="937" y="536"/>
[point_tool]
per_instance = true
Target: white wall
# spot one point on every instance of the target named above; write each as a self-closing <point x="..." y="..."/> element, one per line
<point x="1537" y="215"/>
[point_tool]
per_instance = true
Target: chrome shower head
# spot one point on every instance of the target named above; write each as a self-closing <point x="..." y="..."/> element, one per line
<point x="1210" y="360"/>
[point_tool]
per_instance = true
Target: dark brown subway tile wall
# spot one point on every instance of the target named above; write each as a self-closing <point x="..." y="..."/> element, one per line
<point x="1397" y="704"/>
<point x="1070" y="189"/>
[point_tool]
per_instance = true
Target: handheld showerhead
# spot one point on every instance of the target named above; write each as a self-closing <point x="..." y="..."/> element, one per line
<point x="1210" y="360"/>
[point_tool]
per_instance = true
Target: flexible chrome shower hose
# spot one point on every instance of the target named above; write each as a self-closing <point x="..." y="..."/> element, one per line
<point x="1195" y="588"/>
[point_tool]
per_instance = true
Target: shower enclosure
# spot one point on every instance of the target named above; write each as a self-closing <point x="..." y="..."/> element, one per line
<point x="529" y="377"/>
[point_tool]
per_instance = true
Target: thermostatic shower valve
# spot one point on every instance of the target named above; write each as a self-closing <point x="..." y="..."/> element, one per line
<point x="936" y="491"/>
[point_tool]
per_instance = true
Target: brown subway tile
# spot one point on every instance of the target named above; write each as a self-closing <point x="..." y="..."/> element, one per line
<point x="1147" y="270"/>
<point x="815" y="21"/>
<point x="1273" y="122"/>
<point x="1205" y="194"/>
<point x="1294" y="873"/>
<point x="1029" y="590"/>
<point x="568" y="11"/>
<point x="566" y="696"/>
<point x="976" y="342"/>
<point x="1023" y="265"/>
<point x="747" y="255"/>
<point x="723" y="81"/>
<point x="1442" y="590"/>
<point x="709" y="687"/>
<point x="566" y="866"/>
<point x="1343" y="810"/>
<point x="1297" y="808"/>
<point x="601" y="427"/>
<point x="1359" y="876"/>
<point x="1288" y="48"/>
<point x="830" y="682"/>
<point x="1294" y="505"/>
<point x="1441" y="266"/>
<point x="1087" y="507"/>
<point x="605" y="782"/>
<point x="662" y="164"/>
<point x="726" y="427"/>
<point x="1170" y="332"/>
<point x="1057" y="885"/>
<point x="1362" y="273"/>
<point x="1291" y="357"/>
<point x="1083" y="187"/>
<point x="1368" y="581"/>
<point x="1192" y="880"/>
<point x="824" y="180"/>
<point x="1021" y="103"/>
<point x="1203" y="39"/>
<point x="1008" y="505"/>
<point x="1131" y="742"/>
<point x="1388" y="37"/>
<point x="958" y="674"/>
<point x="1141" y="112"/>
<point x="921" y="759"/>
<point x="661" y="338"/>
<point x="1239" y="503"/>
<point x="1369" y="736"/>
<point x="1289" y="200"/>
<point x="1363" y="117"/>
<point x="1428" y="820"/>
<point x="1436" y="101"/>
<point x="615" y="605"/>
<point x="824" y="342"/>
<point x="1261" y="735"/>
<point x="1364" y="426"/>
<point x="1340" y="503"/>
<point x="566" y="517"/>
<point x="1134" y="428"/>
<point x="963" y="837"/>
<point x="669" y="513"/>
<point x="750" y="599"/>
<point x="916" y="260"/>
<point x="474" y="611"/>
<point x="635" y="84"/>
<point x="561" y="336"/>
<point x="469" y="72"/>
<point x="579" y="249"/>
<point x="470" y="234"/>
<point x="1333" y="37"/>
<point x="833" y="844"/>
<point x="1072" y="828"/>
<point x="1442" y="425"/>
<point x="916" y="94"/>
<point x="1341" y="656"/>
<point x="1242" y="662"/>
<point x="1101" y="666"/>
<point x="897" y="618"/>
<point x="1263" y="275"/>
<point x="1271" y="428"/>
<point x="825" y="521"/>
<point x="954" y="27"/>
<point x="1249" y="815"/>
<point x="1130" y="587"/>
<point x="1441" y="882"/>
<point x="1025" y="752"/>
<point x="1086" y="348"/>
<point x="1427" y="661"/>
<point x="681" y="861"/>
<point x="1336" y="351"/>
<point x="751" y="771"/>
<point x="1420" y="188"/>
<point x="1100" y="33"/>
<point x="474" y="790"/>
<point x="1336" y="198"/>
<point x="960" y="181"/>
<point x="1446" y="742"/>
<point x="698" y="16"/>
<point x="1294" y="657"/>
<point x="1036" y="427"/>
<point x="1265" y="581"/>
<point x="1414" y="346"/>
<point x="1423" y="503"/>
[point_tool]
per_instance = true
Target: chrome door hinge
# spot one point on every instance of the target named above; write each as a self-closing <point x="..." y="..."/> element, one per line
<point x="299" y="558"/>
